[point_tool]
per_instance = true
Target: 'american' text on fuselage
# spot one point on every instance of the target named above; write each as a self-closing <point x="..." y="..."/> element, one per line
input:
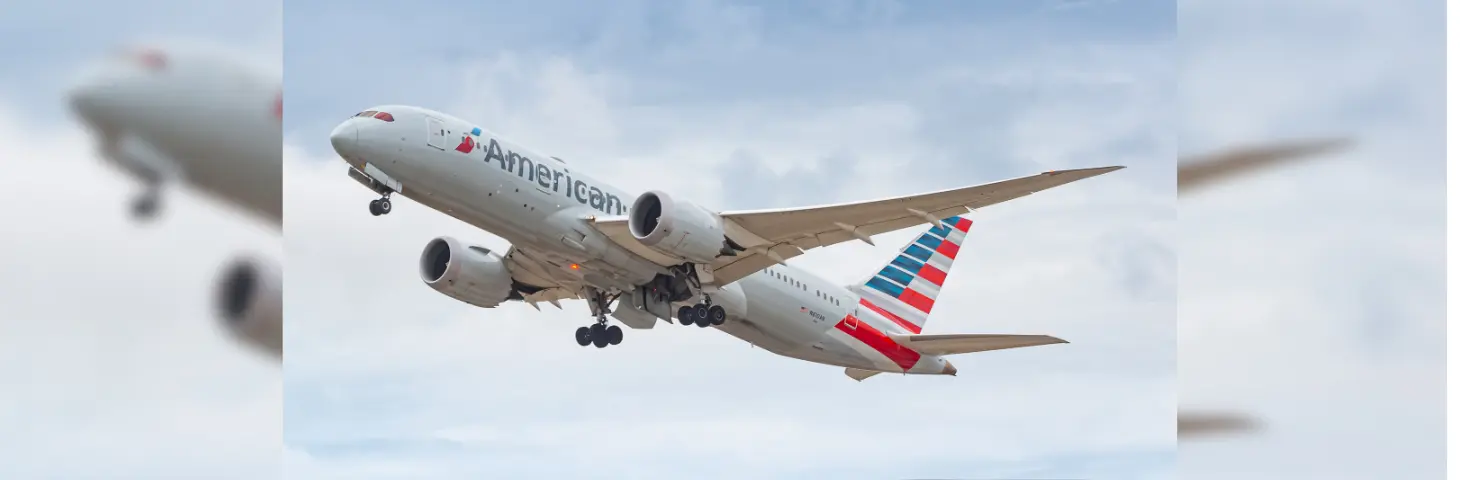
<point x="548" y="177"/>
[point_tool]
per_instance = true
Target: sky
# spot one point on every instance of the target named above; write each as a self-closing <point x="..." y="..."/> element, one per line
<point x="111" y="362"/>
<point x="745" y="105"/>
<point x="1312" y="297"/>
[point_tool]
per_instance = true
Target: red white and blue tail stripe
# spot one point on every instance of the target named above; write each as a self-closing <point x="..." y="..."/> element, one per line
<point x="905" y="290"/>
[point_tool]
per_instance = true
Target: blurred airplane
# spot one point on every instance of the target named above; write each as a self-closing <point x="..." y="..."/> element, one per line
<point x="1204" y="171"/>
<point x="204" y="118"/>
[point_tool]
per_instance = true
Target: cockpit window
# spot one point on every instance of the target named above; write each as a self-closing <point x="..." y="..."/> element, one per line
<point x="376" y="115"/>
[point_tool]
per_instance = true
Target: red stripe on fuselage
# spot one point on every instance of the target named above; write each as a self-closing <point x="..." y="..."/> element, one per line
<point x="963" y="224"/>
<point x="904" y="357"/>
<point x="917" y="300"/>
<point x="890" y="316"/>
<point x="948" y="249"/>
<point x="932" y="274"/>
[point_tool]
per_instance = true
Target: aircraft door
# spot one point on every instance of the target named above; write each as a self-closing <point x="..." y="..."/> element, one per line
<point x="436" y="133"/>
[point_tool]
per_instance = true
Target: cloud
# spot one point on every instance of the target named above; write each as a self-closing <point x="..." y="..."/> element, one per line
<point x="387" y="378"/>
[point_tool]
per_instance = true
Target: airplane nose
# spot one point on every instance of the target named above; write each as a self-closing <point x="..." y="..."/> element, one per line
<point x="344" y="137"/>
<point x="85" y="99"/>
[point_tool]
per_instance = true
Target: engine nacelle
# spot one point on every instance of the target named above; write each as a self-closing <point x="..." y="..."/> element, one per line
<point x="468" y="273"/>
<point x="678" y="228"/>
<point x="249" y="300"/>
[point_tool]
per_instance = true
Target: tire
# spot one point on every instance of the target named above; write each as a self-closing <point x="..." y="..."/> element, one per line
<point x="614" y="334"/>
<point x="384" y="206"/>
<point x="717" y="315"/>
<point x="600" y="337"/>
<point x="686" y="315"/>
<point x="584" y="336"/>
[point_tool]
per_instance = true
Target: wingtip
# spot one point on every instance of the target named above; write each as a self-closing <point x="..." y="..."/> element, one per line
<point x="1095" y="170"/>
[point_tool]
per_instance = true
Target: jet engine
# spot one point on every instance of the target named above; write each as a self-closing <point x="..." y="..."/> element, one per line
<point x="249" y="301"/>
<point x="468" y="273"/>
<point x="678" y="228"/>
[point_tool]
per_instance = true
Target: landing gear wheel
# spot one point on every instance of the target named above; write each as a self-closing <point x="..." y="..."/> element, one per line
<point x="584" y="335"/>
<point x="599" y="334"/>
<point x="702" y="314"/>
<point x="145" y="207"/>
<point x="614" y="334"/>
<point x="384" y="205"/>
<point x="686" y="315"/>
<point x="717" y="315"/>
<point x="375" y="207"/>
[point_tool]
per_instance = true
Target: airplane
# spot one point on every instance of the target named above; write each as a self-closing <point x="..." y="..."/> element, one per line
<point x="1202" y="171"/>
<point x="201" y="117"/>
<point x="662" y="257"/>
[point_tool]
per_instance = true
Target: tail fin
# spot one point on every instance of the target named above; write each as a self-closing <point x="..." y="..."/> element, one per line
<point x="906" y="288"/>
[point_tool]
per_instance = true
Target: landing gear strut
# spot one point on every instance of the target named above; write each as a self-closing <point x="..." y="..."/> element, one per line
<point x="600" y="334"/>
<point x="701" y="314"/>
<point x="380" y="206"/>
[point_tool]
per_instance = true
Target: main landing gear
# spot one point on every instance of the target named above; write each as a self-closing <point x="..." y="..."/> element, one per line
<point x="380" y="206"/>
<point x="600" y="334"/>
<point x="702" y="314"/>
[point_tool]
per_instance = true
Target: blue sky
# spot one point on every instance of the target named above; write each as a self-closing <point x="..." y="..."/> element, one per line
<point x="742" y="105"/>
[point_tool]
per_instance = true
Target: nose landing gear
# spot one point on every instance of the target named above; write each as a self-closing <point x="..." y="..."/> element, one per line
<point x="380" y="206"/>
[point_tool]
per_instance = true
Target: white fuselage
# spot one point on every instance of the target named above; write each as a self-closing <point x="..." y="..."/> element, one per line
<point x="539" y="204"/>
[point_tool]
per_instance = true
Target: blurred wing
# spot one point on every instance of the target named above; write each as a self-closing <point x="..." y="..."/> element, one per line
<point x="1195" y="425"/>
<point x="1209" y="169"/>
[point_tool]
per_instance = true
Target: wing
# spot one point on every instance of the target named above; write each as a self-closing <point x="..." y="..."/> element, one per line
<point x="1208" y="169"/>
<point x="1195" y="425"/>
<point x="771" y="236"/>
<point x="528" y="268"/>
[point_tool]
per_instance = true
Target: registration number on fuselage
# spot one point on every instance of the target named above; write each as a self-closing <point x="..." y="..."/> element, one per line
<point x="815" y="315"/>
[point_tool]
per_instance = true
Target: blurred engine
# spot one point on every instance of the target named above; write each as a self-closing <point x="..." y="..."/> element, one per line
<point x="468" y="273"/>
<point x="249" y="301"/>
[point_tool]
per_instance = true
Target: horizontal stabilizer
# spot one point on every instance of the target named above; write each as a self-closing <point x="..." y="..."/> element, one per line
<point x="859" y="374"/>
<point x="956" y="343"/>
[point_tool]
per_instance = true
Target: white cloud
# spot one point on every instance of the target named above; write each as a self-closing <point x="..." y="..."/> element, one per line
<point x="112" y="362"/>
<point x="387" y="376"/>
